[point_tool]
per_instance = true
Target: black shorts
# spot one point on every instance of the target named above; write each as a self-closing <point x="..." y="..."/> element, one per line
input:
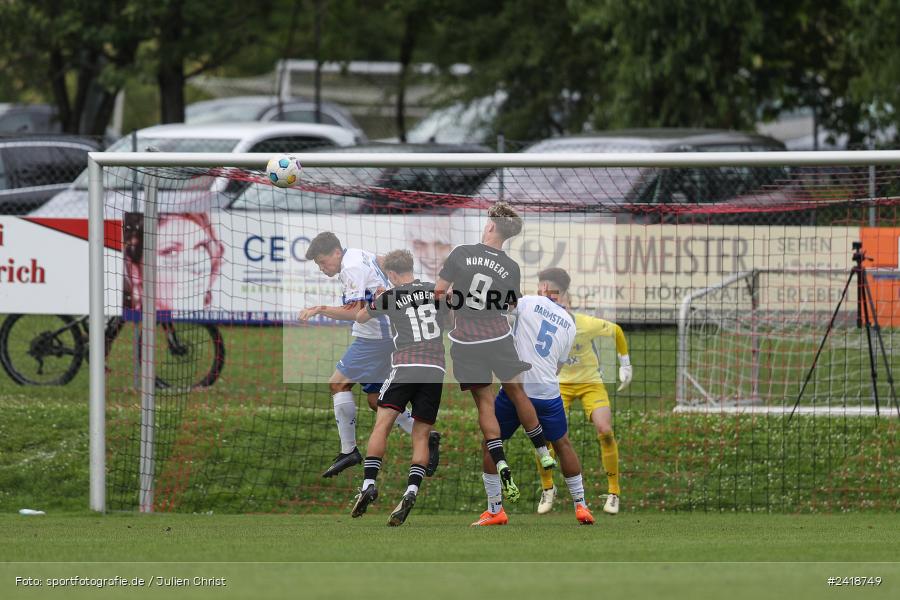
<point x="474" y="365"/>
<point x="419" y="386"/>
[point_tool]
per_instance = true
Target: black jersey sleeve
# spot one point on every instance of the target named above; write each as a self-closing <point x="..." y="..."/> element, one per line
<point x="380" y="305"/>
<point x="515" y="281"/>
<point x="450" y="270"/>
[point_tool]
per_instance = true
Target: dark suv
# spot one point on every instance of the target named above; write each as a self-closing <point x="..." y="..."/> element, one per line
<point x="34" y="169"/>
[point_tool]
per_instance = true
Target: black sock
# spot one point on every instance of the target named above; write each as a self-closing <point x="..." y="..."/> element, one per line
<point x="495" y="447"/>
<point x="371" y="467"/>
<point x="416" y="475"/>
<point x="536" y="436"/>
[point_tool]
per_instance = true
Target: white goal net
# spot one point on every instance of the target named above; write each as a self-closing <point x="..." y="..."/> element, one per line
<point x="749" y="343"/>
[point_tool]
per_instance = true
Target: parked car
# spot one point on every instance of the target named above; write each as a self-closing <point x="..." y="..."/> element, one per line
<point x="268" y="108"/>
<point x="459" y="123"/>
<point x="371" y="189"/>
<point x="621" y="190"/>
<point x="34" y="169"/>
<point x="28" y="118"/>
<point x="188" y="190"/>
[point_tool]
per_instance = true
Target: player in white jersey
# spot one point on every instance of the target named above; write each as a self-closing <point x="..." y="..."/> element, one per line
<point x="367" y="360"/>
<point x="544" y="333"/>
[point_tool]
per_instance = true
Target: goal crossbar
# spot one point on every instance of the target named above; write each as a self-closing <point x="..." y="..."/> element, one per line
<point x="501" y="160"/>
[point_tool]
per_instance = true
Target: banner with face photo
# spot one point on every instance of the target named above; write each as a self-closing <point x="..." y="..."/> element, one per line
<point x="188" y="256"/>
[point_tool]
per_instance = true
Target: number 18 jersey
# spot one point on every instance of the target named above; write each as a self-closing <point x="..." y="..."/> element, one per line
<point x="544" y="334"/>
<point x="486" y="281"/>
<point x="417" y="324"/>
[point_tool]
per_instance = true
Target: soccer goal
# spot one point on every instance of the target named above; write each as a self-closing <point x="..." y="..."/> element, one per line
<point x="747" y="344"/>
<point x="722" y="268"/>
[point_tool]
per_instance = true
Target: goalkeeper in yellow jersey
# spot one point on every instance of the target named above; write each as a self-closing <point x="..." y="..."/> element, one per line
<point x="580" y="379"/>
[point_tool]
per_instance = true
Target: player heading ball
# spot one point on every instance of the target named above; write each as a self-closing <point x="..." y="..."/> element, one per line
<point x="367" y="359"/>
<point x="488" y="281"/>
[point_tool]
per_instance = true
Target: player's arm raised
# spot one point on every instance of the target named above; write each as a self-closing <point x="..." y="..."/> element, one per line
<point x="347" y="312"/>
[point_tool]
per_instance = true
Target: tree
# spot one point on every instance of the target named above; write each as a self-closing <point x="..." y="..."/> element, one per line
<point x="565" y="65"/>
<point x="194" y="36"/>
<point x="682" y="63"/>
<point x="876" y="86"/>
<point x="552" y="70"/>
<point x="48" y="44"/>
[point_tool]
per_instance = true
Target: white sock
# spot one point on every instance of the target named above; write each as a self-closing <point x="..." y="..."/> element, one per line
<point x="494" y="492"/>
<point x="542" y="451"/>
<point x="576" y="489"/>
<point x="367" y="483"/>
<point x="345" y="415"/>
<point x="405" y="421"/>
<point x="412" y="488"/>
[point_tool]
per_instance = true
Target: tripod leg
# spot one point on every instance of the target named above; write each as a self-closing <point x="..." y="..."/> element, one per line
<point x="870" y="301"/>
<point x="863" y="300"/>
<point x="809" y="373"/>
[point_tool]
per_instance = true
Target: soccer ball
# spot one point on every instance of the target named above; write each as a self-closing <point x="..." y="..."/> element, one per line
<point x="283" y="171"/>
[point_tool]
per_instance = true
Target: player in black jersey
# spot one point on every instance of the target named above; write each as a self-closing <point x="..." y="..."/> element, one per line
<point x="417" y="376"/>
<point x="480" y="282"/>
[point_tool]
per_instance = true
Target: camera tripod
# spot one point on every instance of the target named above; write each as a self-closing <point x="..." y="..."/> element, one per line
<point x="865" y="316"/>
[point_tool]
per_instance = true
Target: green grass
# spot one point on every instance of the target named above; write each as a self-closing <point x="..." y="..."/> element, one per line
<point x="440" y="557"/>
<point x="447" y="538"/>
<point x="254" y="444"/>
<point x="696" y="488"/>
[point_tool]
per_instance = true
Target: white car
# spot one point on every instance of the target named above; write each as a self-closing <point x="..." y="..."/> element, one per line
<point x="190" y="190"/>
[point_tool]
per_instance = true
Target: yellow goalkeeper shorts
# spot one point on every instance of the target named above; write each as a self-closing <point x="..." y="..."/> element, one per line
<point x="592" y="395"/>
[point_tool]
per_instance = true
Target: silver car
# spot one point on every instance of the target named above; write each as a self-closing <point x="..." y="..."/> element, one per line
<point x="268" y="108"/>
<point x="623" y="190"/>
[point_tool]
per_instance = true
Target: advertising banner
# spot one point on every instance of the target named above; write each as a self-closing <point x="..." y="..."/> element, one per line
<point x="44" y="265"/>
<point x="231" y="266"/>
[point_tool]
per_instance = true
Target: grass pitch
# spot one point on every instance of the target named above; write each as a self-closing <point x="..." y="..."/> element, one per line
<point x="253" y="444"/>
<point x="687" y="462"/>
<point x="676" y="555"/>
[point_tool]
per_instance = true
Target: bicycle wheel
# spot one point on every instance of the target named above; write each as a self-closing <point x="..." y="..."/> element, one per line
<point x="41" y="349"/>
<point x="188" y="355"/>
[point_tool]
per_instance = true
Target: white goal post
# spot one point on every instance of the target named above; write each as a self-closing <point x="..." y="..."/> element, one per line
<point x="98" y="161"/>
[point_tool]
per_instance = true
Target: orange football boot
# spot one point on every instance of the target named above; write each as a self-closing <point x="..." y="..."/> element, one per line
<point x="584" y="516"/>
<point x="489" y="518"/>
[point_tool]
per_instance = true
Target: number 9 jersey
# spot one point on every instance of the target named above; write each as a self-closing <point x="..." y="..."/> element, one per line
<point x="544" y="333"/>
<point x="485" y="284"/>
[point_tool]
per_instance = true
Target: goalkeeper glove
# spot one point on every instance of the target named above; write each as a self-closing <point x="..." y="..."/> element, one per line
<point x="625" y="372"/>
